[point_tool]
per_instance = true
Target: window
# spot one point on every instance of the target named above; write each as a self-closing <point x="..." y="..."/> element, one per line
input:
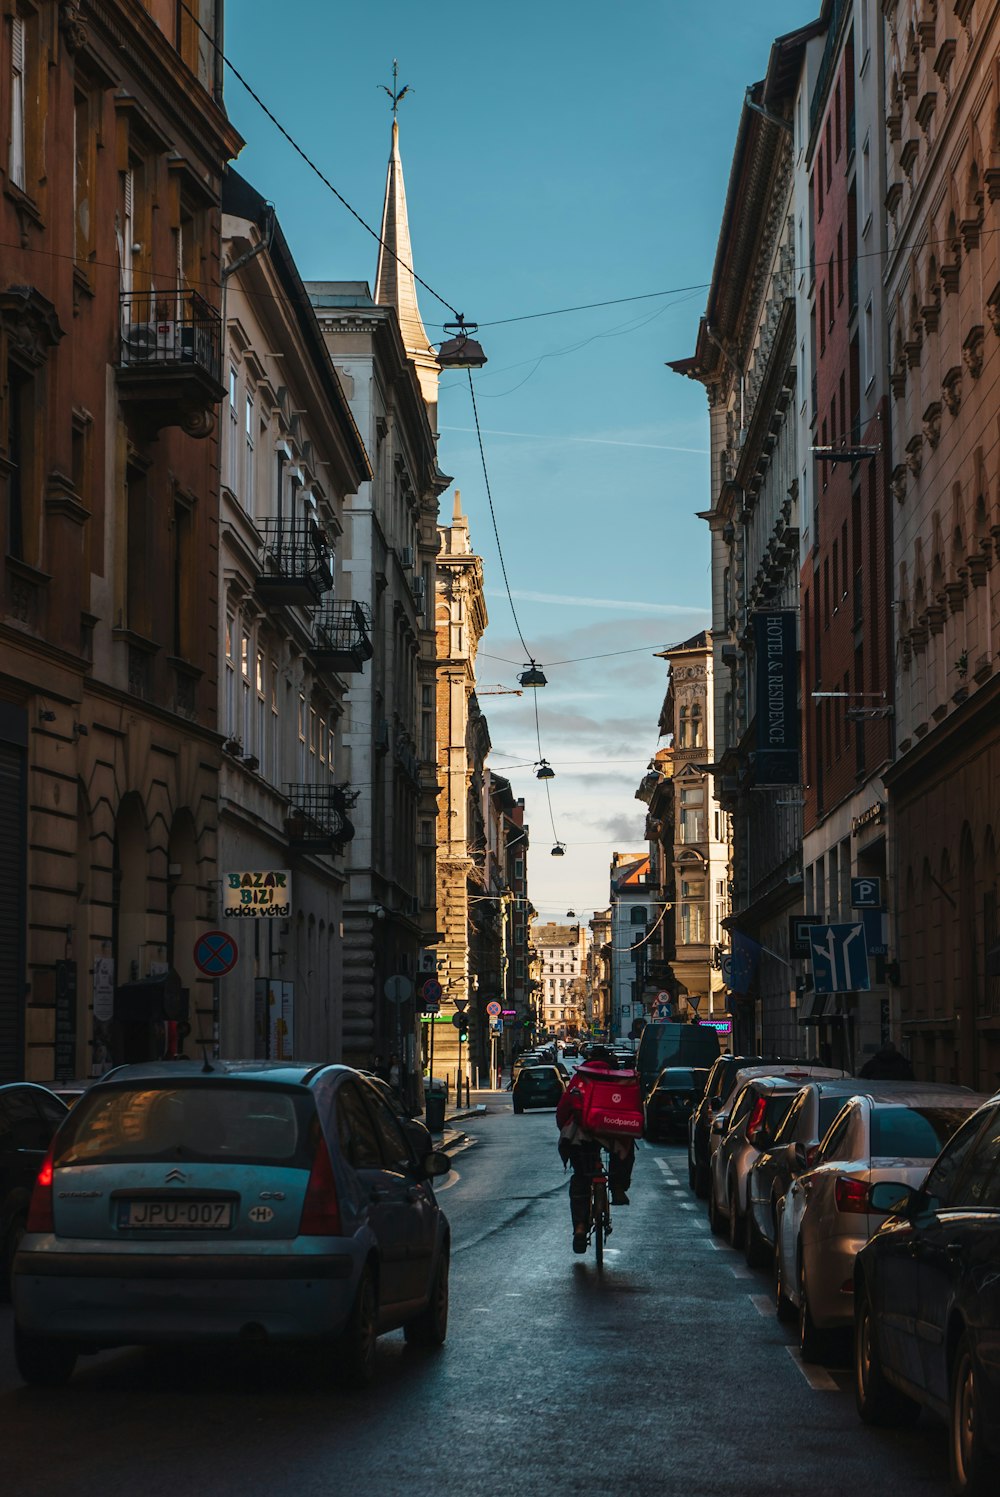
<point x="230" y="724"/>
<point x="233" y="441"/>
<point x="355" y="1131"/>
<point x="19" y="457"/>
<point x="682" y="728"/>
<point x="84" y="153"/>
<point x="693" y="923"/>
<point x="696" y="727"/>
<point x="18" y="128"/>
<point x="980" y="1183"/>
<point x="260" y="683"/>
<point x="866" y="184"/>
<point x="869" y="344"/>
<point x="912" y="1132"/>
<point x="248" y="473"/>
<point x="275" y="761"/>
<point x="183" y="541"/>
<point x="302" y="736"/>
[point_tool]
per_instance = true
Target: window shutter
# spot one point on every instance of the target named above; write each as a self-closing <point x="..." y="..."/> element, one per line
<point x="17" y="128"/>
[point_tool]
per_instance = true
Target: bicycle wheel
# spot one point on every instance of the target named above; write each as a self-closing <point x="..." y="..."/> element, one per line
<point x="600" y="1207"/>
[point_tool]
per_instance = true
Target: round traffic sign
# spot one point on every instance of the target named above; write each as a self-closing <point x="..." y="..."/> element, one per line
<point x="215" y="953"/>
<point x="431" y="990"/>
<point x="398" y="989"/>
<point x="493" y="1009"/>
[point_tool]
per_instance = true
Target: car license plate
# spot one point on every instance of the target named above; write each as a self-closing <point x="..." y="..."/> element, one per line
<point x="181" y="1215"/>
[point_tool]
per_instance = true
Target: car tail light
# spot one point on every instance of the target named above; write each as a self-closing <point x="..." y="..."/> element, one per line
<point x="757" y="1118"/>
<point x="321" y="1208"/>
<point x="851" y="1195"/>
<point x="40" y="1218"/>
<point x="811" y="1152"/>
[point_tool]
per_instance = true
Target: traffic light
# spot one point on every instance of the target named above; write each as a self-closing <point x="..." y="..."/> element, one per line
<point x="463" y="1029"/>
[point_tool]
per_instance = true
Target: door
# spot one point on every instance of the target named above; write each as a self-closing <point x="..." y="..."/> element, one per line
<point x="966" y="1182"/>
<point x="418" y="1218"/>
<point x="383" y="1193"/>
<point x="24" y="1137"/>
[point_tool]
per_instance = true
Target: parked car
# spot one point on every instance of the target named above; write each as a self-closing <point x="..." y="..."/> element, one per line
<point x="826" y="1215"/>
<point x="29" y="1116"/>
<point x="927" y="1301"/>
<point x="570" y="1051"/>
<point x="793" y="1151"/>
<point x="260" y="1199"/>
<point x="69" y="1092"/>
<point x="668" y="1106"/>
<point x="757" y="1111"/>
<point x="718" y="1087"/>
<point x="537" y="1086"/>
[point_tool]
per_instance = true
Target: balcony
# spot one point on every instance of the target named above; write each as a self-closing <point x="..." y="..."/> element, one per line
<point x="317" y="819"/>
<point x="342" y="640"/>
<point x="170" y="360"/>
<point x="298" y="564"/>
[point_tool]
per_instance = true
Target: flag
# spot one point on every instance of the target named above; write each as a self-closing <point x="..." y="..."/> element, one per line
<point x="746" y="960"/>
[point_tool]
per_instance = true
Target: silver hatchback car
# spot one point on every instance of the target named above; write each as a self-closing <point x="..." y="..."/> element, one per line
<point x="182" y="1202"/>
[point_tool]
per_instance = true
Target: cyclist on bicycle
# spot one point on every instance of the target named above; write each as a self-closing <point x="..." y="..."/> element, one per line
<point x="581" y="1148"/>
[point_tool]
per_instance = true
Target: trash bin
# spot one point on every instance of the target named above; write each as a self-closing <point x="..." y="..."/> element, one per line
<point x="434" y="1108"/>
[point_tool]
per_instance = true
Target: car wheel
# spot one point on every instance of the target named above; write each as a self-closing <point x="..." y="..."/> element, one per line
<point x="970" y="1474"/>
<point x="715" y="1221"/>
<point x="702" y="1181"/>
<point x="783" y="1307"/>
<point x="736" y="1222"/>
<point x="518" y="1106"/>
<point x="755" y="1246"/>
<point x="430" y="1327"/>
<point x="357" y="1342"/>
<point x="41" y="1362"/>
<point x="812" y="1341"/>
<point x="878" y="1402"/>
<point x="692" y="1177"/>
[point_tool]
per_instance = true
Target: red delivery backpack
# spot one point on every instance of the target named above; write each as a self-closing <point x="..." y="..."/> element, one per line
<point x="612" y="1104"/>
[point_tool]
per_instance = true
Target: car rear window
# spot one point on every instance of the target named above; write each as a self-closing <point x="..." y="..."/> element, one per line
<point x="913" y="1132"/>
<point x="828" y="1109"/>
<point x="197" y="1122"/>
<point x="677" y="1079"/>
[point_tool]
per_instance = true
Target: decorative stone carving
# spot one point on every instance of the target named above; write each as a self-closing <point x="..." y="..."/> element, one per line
<point x="909" y="154"/>
<point x="897" y="375"/>
<point x="950" y="268"/>
<point x="944" y="59"/>
<point x="931" y="310"/>
<point x="936" y="614"/>
<point x="951" y="389"/>
<point x="893" y="196"/>
<point x="913" y="346"/>
<point x="957" y="592"/>
<point x="31" y="323"/>
<point x="72" y="25"/>
<point x="897" y="482"/>
<point x="978" y="564"/>
<point x="972" y="350"/>
<point x="932" y="424"/>
<point x="915" y="455"/>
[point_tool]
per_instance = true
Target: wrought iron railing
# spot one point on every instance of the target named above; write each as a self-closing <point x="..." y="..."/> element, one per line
<point x="163" y="330"/>
<point x="298" y="561"/>
<point x="343" y="635"/>
<point x="317" y="817"/>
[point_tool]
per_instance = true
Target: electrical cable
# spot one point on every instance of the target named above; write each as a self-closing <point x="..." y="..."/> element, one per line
<point x="310" y="163"/>
<point x="493" y="517"/>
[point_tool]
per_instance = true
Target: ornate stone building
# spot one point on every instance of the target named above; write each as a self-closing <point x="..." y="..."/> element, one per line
<point x="943" y="292"/>
<point x="565" y="978"/>
<point x="460" y="618"/>
<point x="292" y="638"/>
<point x="389" y="373"/>
<point x="110" y="382"/>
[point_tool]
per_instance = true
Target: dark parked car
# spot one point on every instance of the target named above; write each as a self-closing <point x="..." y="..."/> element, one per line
<point x="416" y="1131"/>
<point x="29" y="1116"/>
<point x="668" y="1106"/>
<point x="537" y="1086"/>
<point x="261" y="1198"/>
<point x="720" y="1083"/>
<point x="927" y="1302"/>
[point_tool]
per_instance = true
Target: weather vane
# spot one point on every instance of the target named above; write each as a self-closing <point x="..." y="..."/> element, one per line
<point x="395" y="95"/>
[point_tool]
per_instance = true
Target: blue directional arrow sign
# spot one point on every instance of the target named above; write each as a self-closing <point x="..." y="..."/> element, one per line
<point x="839" y="958"/>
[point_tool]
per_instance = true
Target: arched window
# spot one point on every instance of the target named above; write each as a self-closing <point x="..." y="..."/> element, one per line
<point x="697" y="740"/>
<point x="682" y="728"/>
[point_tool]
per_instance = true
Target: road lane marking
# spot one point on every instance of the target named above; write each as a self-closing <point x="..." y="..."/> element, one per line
<point x="686" y="1205"/>
<point x="817" y="1377"/>
<point x="764" y="1305"/>
<point x="447" y="1184"/>
<point x="738" y="1272"/>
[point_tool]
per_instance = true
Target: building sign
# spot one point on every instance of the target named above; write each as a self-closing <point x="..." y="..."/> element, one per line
<point x="798" y="934"/>
<point x="104" y="989"/>
<point x="65" y="1019"/>
<point x="721" y="1026"/>
<point x="866" y="893"/>
<point x="874" y="815"/>
<point x="777" y="761"/>
<point x="839" y="958"/>
<point x="257" y="895"/>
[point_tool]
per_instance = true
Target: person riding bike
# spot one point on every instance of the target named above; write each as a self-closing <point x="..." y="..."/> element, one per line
<point x="581" y="1148"/>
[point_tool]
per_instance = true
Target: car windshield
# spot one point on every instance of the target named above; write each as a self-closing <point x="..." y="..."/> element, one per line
<point x="913" y="1132"/>
<point x="197" y="1122"/>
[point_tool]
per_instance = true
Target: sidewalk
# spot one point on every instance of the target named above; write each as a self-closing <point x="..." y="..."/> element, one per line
<point x="480" y="1103"/>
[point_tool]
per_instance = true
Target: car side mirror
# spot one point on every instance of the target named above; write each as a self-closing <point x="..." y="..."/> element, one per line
<point x="719" y="1126"/>
<point x="435" y="1164"/>
<point x="892" y="1197"/>
<point x="715" y="1102"/>
<point x="798" y="1157"/>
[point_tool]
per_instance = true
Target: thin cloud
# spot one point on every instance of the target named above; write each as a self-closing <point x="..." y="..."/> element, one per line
<point x="542" y="436"/>
<point x="567" y="600"/>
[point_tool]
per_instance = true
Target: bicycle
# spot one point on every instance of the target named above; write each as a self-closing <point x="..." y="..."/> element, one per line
<point x="599" y="1221"/>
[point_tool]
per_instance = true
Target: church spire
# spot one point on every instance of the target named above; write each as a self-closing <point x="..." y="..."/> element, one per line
<point x="395" y="285"/>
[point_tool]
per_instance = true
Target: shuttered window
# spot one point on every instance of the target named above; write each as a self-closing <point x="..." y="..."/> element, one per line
<point x="14" y="879"/>
<point x="17" y="131"/>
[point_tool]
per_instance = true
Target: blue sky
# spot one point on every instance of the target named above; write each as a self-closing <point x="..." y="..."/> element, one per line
<point x="555" y="153"/>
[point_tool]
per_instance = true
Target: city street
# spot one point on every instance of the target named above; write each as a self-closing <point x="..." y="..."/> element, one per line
<point x="668" y="1375"/>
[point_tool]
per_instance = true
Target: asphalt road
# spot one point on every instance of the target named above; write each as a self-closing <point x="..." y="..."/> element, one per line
<point x="667" y="1375"/>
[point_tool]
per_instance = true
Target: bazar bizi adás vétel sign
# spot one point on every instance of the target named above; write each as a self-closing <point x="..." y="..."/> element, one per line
<point x="265" y="895"/>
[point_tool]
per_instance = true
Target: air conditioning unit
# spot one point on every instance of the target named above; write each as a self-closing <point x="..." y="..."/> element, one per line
<point x="419" y="590"/>
<point x="147" y="340"/>
<point x="406" y="556"/>
<point x="382" y="735"/>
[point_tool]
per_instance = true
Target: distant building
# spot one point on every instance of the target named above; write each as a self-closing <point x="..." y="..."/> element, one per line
<point x="633" y="911"/>
<point x="599" y="964"/>
<point x="563" y="951"/>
